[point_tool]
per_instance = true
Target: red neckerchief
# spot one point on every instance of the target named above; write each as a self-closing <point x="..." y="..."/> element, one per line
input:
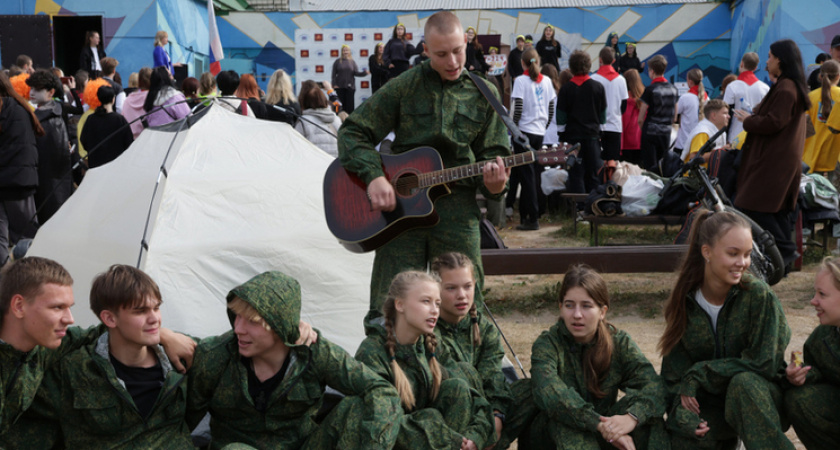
<point x="695" y="90"/>
<point x="748" y="77"/>
<point x="659" y="80"/>
<point x="539" y="76"/>
<point x="579" y="79"/>
<point x="607" y="71"/>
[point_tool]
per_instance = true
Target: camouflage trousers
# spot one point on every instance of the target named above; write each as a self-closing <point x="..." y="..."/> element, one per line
<point x="444" y="423"/>
<point x="352" y="424"/>
<point x="750" y="410"/>
<point x="814" y="414"/>
<point x="457" y="231"/>
<point x="519" y="416"/>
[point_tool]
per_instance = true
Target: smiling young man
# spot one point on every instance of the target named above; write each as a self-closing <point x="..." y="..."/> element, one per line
<point x="434" y="104"/>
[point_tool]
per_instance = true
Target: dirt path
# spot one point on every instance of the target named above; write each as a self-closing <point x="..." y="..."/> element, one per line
<point x="637" y="303"/>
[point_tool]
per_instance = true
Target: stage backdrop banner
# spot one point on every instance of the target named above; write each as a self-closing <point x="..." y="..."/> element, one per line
<point x="318" y="48"/>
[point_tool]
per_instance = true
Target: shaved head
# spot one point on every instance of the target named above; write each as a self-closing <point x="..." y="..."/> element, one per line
<point x="443" y="22"/>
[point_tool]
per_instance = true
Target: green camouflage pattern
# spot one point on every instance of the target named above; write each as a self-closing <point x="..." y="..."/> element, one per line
<point x="456" y="120"/>
<point x="752" y="334"/>
<point x="570" y="413"/>
<point x="94" y="410"/>
<point x="459" y="410"/>
<point x="520" y="415"/>
<point x="21" y="374"/>
<point x="485" y="358"/>
<point x="219" y="384"/>
<point x="813" y="407"/>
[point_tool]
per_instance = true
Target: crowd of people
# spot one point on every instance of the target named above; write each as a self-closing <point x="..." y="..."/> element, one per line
<point x="429" y="373"/>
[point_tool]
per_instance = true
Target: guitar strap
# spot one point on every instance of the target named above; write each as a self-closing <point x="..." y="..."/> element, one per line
<point x="516" y="135"/>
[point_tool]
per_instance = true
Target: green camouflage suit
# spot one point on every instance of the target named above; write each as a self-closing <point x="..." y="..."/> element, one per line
<point x="219" y="384"/>
<point x="21" y="374"/>
<point x="95" y="410"/>
<point x="459" y="410"/>
<point x="814" y="408"/>
<point x="570" y="414"/>
<point x="457" y="121"/>
<point x="734" y="373"/>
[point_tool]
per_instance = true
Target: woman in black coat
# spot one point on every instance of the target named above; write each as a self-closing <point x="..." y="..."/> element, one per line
<point x="378" y="68"/>
<point x="87" y="60"/>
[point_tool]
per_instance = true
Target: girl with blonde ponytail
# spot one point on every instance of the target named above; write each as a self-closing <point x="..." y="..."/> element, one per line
<point x="467" y="334"/>
<point x="689" y="109"/>
<point x="579" y="365"/>
<point x="407" y="353"/>
<point x="823" y="148"/>
<point x="723" y="345"/>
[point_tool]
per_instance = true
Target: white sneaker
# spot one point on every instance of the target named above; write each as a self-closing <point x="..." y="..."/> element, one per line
<point x="509" y="212"/>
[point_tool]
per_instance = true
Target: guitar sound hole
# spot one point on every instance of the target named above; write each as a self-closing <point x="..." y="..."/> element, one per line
<point x="406" y="185"/>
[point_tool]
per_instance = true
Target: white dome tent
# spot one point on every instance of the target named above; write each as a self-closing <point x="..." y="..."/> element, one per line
<point x="225" y="198"/>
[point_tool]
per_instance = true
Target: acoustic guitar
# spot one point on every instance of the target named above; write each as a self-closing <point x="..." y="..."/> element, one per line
<point x="419" y="179"/>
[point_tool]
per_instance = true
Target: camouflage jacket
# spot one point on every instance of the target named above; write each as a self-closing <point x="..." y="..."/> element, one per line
<point x="453" y="117"/>
<point x="96" y="411"/>
<point x="559" y="382"/>
<point x="21" y="374"/>
<point x="414" y="361"/>
<point x="822" y="353"/>
<point x="219" y="381"/>
<point x="486" y="358"/>
<point x="752" y="334"/>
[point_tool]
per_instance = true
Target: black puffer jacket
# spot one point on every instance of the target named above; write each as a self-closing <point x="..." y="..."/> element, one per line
<point x="55" y="180"/>
<point x="18" y="154"/>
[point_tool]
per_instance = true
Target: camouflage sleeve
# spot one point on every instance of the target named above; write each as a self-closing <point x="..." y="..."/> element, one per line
<point x="674" y="365"/>
<point x="371" y="353"/>
<point x="210" y="361"/>
<point x="489" y="366"/>
<point x="810" y="354"/>
<point x="38" y="426"/>
<point x="643" y="387"/>
<point x="491" y="142"/>
<point x="551" y="394"/>
<point x="76" y="338"/>
<point x="365" y="128"/>
<point x="347" y="375"/>
<point x="769" y="335"/>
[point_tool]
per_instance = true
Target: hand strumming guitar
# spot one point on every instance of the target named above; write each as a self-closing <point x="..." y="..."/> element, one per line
<point x="495" y="175"/>
<point x="381" y="195"/>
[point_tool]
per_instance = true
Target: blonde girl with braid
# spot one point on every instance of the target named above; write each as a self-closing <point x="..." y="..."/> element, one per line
<point x="440" y="411"/>
<point x="468" y="336"/>
<point x="577" y="368"/>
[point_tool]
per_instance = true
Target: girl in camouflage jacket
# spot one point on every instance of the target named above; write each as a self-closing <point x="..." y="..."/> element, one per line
<point x="442" y="412"/>
<point x="475" y="342"/>
<point x="577" y="368"/>
<point x="812" y="403"/>
<point x="723" y="345"/>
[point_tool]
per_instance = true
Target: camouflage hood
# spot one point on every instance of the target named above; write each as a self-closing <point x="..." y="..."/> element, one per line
<point x="276" y="297"/>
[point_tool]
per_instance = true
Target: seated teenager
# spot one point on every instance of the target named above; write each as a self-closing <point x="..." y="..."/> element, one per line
<point x="441" y="411"/>
<point x="263" y="388"/>
<point x="812" y="404"/>
<point x="35" y="299"/>
<point x="577" y="368"/>
<point x="723" y="346"/>
<point x="715" y="117"/>
<point x="468" y="335"/>
<point x="121" y="390"/>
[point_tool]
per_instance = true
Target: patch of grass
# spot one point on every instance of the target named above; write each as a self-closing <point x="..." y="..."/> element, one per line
<point x="537" y="300"/>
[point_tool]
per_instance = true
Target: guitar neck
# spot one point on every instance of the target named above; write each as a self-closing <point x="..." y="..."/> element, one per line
<point x="471" y="170"/>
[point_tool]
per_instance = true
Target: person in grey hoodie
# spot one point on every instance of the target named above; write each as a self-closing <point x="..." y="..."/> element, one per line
<point x="318" y="123"/>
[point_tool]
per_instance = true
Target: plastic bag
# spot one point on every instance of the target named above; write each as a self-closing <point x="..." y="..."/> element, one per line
<point x="553" y="179"/>
<point x="640" y="195"/>
<point x="818" y="192"/>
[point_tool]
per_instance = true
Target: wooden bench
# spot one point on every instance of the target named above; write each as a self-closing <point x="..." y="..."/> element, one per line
<point x="618" y="259"/>
<point x="597" y="221"/>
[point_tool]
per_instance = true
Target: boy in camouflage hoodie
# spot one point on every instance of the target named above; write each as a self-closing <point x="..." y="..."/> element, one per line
<point x="263" y="391"/>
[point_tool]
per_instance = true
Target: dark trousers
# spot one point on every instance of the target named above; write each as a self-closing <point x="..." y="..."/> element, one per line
<point x="610" y="145"/>
<point x="347" y="97"/>
<point x="399" y="67"/>
<point x="16" y="223"/>
<point x="583" y="176"/>
<point x="780" y="225"/>
<point x="654" y="147"/>
<point x="529" y="178"/>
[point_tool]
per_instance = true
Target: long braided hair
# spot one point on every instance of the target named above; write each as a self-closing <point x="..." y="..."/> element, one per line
<point x="452" y="261"/>
<point x="398" y="289"/>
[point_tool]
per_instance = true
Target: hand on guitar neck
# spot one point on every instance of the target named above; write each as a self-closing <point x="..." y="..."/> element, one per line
<point x="382" y="197"/>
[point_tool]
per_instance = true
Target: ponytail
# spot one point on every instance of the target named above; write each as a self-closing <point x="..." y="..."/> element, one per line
<point x="401" y="382"/>
<point x="531" y="59"/>
<point x="696" y="76"/>
<point x="828" y="71"/>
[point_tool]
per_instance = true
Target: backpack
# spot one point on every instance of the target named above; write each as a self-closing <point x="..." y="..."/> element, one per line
<point x="489" y="236"/>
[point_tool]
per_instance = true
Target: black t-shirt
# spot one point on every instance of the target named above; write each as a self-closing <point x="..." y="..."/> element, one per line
<point x="260" y="391"/>
<point x="143" y="383"/>
<point x="582" y="108"/>
<point x="514" y="64"/>
<point x="98" y="127"/>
